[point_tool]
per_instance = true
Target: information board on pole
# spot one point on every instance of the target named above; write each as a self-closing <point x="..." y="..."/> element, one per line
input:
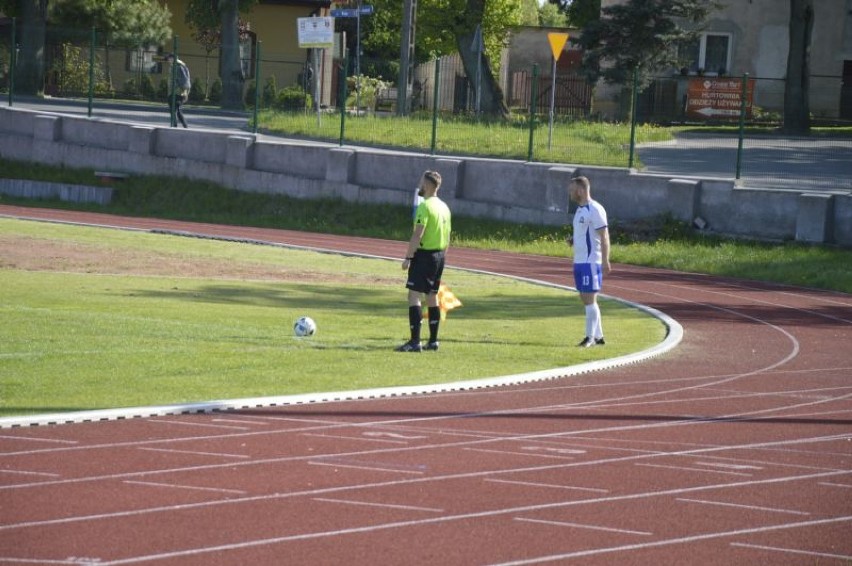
<point x="718" y="98"/>
<point x="315" y="32"/>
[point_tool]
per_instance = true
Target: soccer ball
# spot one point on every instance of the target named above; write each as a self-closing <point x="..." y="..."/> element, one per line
<point x="304" y="326"/>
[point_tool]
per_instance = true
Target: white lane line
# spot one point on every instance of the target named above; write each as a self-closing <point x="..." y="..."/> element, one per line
<point x="668" y="542"/>
<point x="553" y="450"/>
<point x="384" y="505"/>
<point x="513" y="453"/>
<point x="728" y="466"/>
<point x="741" y="506"/>
<point x="539" y="484"/>
<point x="365" y="467"/>
<point x="190" y="487"/>
<point x="582" y="526"/>
<point x="794" y="551"/>
<point x="70" y="562"/>
<point x="833" y="484"/>
<point x="687" y="468"/>
<point x="32" y="439"/>
<point x="240" y="421"/>
<point x="198" y="424"/>
<point x="193" y="452"/>
<point x="30" y="473"/>
<point x="383" y="433"/>
<point x="355" y="438"/>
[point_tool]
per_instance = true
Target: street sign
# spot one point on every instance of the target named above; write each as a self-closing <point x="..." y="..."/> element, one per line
<point x="365" y="10"/>
<point x="718" y="98"/>
<point x="344" y="13"/>
<point x="557" y="43"/>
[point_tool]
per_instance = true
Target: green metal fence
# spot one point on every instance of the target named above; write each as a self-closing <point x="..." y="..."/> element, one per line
<point x="552" y="119"/>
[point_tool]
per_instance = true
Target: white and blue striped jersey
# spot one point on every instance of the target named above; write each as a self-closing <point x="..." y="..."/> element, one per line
<point x="588" y="219"/>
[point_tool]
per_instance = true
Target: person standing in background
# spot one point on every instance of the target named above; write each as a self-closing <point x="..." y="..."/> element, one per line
<point x="591" y="256"/>
<point x="178" y="87"/>
<point x="424" y="260"/>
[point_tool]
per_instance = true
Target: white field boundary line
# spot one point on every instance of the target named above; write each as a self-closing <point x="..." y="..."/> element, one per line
<point x="674" y="335"/>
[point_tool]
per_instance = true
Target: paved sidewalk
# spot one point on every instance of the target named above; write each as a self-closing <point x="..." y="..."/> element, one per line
<point x="821" y="164"/>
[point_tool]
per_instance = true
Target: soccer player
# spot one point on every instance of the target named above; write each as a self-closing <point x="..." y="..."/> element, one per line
<point x="424" y="261"/>
<point x="591" y="256"/>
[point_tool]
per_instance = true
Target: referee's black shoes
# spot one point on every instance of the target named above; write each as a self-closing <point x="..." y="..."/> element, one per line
<point x="410" y="347"/>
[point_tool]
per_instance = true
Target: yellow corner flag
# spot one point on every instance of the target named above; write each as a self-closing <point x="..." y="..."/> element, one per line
<point x="447" y="301"/>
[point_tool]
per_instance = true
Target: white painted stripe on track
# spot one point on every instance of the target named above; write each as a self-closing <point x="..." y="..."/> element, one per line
<point x="793" y="551"/>
<point x="674" y="335"/>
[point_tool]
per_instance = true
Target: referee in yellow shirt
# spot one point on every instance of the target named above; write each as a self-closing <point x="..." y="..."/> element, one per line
<point x="424" y="261"/>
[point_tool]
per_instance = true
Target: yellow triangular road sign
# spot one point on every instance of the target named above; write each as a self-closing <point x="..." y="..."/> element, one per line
<point x="557" y="43"/>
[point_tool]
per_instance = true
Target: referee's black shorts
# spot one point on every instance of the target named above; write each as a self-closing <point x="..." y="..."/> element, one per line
<point x="425" y="270"/>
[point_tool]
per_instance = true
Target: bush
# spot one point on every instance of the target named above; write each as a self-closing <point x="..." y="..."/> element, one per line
<point x="215" y="95"/>
<point x="196" y="92"/>
<point x="146" y="87"/>
<point x="73" y="69"/>
<point x="129" y="89"/>
<point x="163" y="90"/>
<point x="248" y="99"/>
<point x="293" y="98"/>
<point x="269" y="92"/>
<point x="371" y="89"/>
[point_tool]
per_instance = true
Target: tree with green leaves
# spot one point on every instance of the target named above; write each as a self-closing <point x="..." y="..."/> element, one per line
<point x="443" y="27"/>
<point x="550" y="16"/>
<point x="204" y="16"/>
<point x="126" y="22"/>
<point x="122" y="23"/>
<point x="578" y="12"/>
<point x="641" y="34"/>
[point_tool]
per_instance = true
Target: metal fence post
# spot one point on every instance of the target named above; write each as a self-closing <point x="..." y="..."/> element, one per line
<point x="743" y="94"/>
<point x="532" y="111"/>
<point x="343" y="94"/>
<point x="13" y="62"/>
<point x="634" y="97"/>
<point x="256" y="83"/>
<point x="435" y="105"/>
<point x="173" y="80"/>
<point x="92" y="70"/>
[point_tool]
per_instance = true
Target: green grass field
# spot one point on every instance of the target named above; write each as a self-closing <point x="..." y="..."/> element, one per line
<point x="98" y="318"/>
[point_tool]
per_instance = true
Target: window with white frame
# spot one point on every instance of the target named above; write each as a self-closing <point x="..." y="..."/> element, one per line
<point x="142" y="60"/>
<point x="709" y="54"/>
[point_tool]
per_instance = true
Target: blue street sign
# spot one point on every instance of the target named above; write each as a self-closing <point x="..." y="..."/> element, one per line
<point x="365" y="10"/>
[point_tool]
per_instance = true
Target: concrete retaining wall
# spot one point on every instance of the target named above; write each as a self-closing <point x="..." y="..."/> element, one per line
<point x="501" y="189"/>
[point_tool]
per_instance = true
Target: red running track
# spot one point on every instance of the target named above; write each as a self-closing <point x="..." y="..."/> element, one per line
<point x="735" y="448"/>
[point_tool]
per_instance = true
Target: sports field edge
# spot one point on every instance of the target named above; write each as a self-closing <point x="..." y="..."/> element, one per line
<point x="674" y="334"/>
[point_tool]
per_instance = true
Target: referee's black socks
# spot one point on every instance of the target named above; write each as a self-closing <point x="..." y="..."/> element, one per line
<point x="415" y="319"/>
<point x="434" y="322"/>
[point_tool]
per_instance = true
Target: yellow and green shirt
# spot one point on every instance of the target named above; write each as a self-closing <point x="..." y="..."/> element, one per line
<point x="434" y="214"/>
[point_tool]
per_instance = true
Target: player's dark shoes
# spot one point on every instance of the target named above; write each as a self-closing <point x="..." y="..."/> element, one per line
<point x="600" y="341"/>
<point x="586" y="342"/>
<point x="433" y="346"/>
<point x="409" y="347"/>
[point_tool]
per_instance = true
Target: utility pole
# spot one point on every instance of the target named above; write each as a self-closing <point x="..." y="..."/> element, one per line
<point x="406" y="55"/>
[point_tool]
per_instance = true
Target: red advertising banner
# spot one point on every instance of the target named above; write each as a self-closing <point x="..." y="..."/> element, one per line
<point x="717" y="98"/>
